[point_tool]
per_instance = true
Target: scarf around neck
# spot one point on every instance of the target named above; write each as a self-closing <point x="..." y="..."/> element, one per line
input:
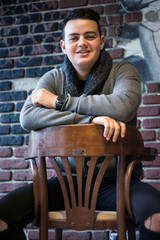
<point x="96" y="79"/>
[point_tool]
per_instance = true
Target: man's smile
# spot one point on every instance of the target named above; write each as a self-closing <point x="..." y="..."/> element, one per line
<point x="83" y="51"/>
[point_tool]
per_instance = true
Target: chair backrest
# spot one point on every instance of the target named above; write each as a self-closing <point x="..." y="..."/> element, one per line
<point x="82" y="139"/>
<point x="82" y="142"/>
<point x="80" y="208"/>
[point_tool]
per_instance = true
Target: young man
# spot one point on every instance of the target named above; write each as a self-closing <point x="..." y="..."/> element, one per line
<point x="87" y="88"/>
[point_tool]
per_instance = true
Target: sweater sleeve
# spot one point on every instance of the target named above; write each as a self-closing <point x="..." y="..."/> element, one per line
<point x="32" y="117"/>
<point x="121" y="102"/>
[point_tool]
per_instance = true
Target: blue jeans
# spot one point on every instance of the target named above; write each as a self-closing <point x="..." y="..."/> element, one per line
<point x="17" y="207"/>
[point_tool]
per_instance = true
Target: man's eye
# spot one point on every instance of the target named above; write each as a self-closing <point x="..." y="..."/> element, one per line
<point x="73" y="39"/>
<point x="90" y="37"/>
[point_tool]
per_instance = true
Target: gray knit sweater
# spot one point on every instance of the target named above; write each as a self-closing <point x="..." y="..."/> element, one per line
<point x="117" y="94"/>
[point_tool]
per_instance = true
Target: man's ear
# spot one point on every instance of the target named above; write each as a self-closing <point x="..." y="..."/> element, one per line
<point x="102" y="41"/>
<point x="63" y="46"/>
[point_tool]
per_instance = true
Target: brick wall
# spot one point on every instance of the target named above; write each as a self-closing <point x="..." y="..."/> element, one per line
<point x="29" y="47"/>
<point x="149" y="125"/>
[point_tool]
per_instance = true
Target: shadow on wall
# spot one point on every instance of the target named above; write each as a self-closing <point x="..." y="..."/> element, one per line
<point x="141" y="41"/>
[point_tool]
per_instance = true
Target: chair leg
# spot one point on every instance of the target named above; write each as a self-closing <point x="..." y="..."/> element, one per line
<point x="131" y="232"/>
<point x="58" y="234"/>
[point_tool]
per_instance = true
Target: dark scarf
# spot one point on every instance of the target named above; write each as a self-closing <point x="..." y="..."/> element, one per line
<point x="96" y="79"/>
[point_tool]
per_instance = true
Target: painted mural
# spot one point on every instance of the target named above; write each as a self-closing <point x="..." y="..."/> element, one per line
<point x="141" y="41"/>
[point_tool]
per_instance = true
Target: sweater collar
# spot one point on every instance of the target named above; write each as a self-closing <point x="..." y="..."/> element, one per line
<point x="98" y="75"/>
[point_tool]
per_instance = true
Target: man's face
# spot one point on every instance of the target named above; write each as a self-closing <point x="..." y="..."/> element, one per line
<point x="82" y="43"/>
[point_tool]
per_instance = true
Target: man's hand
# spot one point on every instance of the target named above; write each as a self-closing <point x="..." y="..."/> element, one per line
<point x="43" y="97"/>
<point x="112" y="127"/>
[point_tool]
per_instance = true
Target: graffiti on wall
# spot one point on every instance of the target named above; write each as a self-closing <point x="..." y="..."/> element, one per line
<point x="141" y="41"/>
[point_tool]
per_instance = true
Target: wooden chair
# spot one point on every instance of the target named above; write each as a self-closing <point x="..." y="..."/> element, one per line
<point x="81" y="141"/>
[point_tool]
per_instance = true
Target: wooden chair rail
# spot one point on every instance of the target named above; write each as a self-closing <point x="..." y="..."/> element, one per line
<point x="47" y="143"/>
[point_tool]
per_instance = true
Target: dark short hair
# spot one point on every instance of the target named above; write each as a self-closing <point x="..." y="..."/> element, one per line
<point x="81" y="13"/>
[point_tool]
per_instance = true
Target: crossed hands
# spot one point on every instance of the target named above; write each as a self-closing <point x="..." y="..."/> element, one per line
<point x="112" y="128"/>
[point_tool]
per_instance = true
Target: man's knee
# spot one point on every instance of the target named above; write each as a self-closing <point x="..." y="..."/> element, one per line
<point x="153" y="222"/>
<point x="3" y="225"/>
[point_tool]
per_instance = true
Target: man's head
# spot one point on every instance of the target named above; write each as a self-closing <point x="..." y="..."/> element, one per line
<point x="82" y="13"/>
<point x="82" y="41"/>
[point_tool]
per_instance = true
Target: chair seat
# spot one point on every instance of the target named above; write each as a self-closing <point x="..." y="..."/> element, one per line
<point x="59" y="215"/>
<point x="109" y="218"/>
<point x="106" y="215"/>
<point x="99" y="216"/>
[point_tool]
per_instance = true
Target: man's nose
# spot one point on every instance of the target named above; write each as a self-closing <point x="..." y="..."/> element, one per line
<point x="82" y="41"/>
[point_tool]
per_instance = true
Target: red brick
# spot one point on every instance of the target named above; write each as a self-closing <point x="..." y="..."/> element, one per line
<point x="51" y="37"/>
<point x="12" y="10"/>
<point x="34" y="235"/>
<point x="6" y="21"/>
<point x="48" y="163"/>
<point x="38" y="49"/>
<point x="158" y="135"/>
<point x="133" y="17"/>
<point x="7" y="63"/>
<point x="22" y="175"/>
<point x="113" y="20"/>
<point x="53" y="16"/>
<point x="109" y="43"/>
<point x="111" y="9"/>
<point x="45" y="27"/>
<point x="12" y="31"/>
<point x="148" y="135"/>
<point x="78" y="235"/>
<point x="20" y="152"/>
<point x="26" y="19"/>
<point x="153" y="87"/>
<point x="50" y="173"/>
<point x="98" y="9"/>
<point x="116" y="53"/>
<point x="101" y="1"/>
<point x="151" y="123"/>
<point x="27" y="40"/>
<point x="5" y="152"/>
<point x="155" y="162"/>
<point x="152" y="173"/>
<point x="8" y="187"/>
<point x="100" y="235"/>
<point x="113" y="31"/>
<point x="13" y="52"/>
<point x="28" y="61"/>
<point x="153" y="145"/>
<point x="149" y="111"/>
<point x="13" y="164"/>
<point x="151" y="99"/>
<point x="5" y="42"/>
<point x="67" y="235"/>
<point x="5" y="176"/>
<point x="103" y="21"/>
<point x="43" y="6"/>
<point x="71" y="3"/>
